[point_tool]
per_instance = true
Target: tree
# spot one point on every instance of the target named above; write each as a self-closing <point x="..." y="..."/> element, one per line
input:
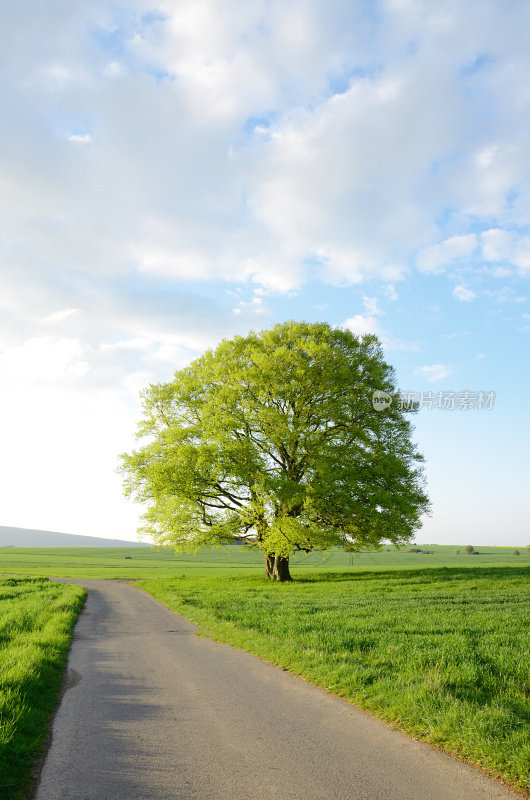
<point x="470" y="550"/>
<point x="273" y="440"/>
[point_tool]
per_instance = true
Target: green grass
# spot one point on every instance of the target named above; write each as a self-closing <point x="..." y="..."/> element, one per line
<point x="36" y="621"/>
<point x="440" y="653"/>
<point x="110" y="562"/>
<point x="435" y="643"/>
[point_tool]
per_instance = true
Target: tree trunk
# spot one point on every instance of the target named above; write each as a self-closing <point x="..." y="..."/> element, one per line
<point x="269" y="565"/>
<point x="281" y="569"/>
<point x="277" y="568"/>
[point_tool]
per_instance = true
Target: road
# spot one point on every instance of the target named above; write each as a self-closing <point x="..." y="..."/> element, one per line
<point x="156" y="713"/>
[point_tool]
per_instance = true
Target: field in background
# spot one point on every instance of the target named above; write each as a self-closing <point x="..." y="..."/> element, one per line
<point x="441" y="653"/>
<point x="108" y="562"/>
<point x="36" y="622"/>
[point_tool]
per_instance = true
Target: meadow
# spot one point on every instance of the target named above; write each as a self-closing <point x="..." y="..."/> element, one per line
<point x="442" y="653"/>
<point x="36" y="622"/>
<point x="435" y="643"/>
<point x="112" y="562"/>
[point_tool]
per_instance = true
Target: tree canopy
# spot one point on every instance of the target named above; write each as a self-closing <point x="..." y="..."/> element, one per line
<point x="273" y="439"/>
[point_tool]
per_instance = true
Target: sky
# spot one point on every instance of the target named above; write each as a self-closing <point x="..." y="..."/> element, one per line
<point x="175" y="172"/>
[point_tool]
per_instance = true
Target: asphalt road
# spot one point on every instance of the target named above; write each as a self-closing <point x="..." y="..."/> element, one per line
<point x="154" y="712"/>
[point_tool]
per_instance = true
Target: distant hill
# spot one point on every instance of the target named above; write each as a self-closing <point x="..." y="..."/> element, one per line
<point x="24" y="537"/>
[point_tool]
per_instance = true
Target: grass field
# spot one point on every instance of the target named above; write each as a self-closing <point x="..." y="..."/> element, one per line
<point x="36" y="621"/>
<point x="441" y="653"/>
<point x="436" y="643"/>
<point x="109" y="562"/>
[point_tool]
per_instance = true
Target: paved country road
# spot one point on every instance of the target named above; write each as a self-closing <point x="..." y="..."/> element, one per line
<point x="153" y="712"/>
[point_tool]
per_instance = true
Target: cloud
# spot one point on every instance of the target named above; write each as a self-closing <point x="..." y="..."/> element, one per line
<point x="463" y="294"/>
<point x="80" y="138"/>
<point x="506" y="294"/>
<point x="245" y="145"/>
<point x="497" y="245"/>
<point x="371" y="306"/>
<point x="341" y="175"/>
<point x="521" y="257"/>
<point x="73" y="438"/>
<point x="361" y="324"/>
<point x="436" y="257"/>
<point x="369" y="322"/>
<point x="500" y="272"/>
<point x="391" y="292"/>
<point x="254" y="306"/>
<point x="155" y="154"/>
<point x="60" y="316"/>
<point x="434" y="372"/>
<point x="506" y="246"/>
<point x="43" y="360"/>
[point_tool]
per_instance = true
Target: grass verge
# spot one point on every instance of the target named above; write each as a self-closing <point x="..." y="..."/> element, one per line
<point x="440" y="653"/>
<point x="36" y="622"/>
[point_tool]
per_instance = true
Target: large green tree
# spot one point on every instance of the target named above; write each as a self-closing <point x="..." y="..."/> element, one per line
<point x="273" y="439"/>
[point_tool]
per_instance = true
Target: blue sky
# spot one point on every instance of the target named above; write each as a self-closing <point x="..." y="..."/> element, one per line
<point x="176" y="172"/>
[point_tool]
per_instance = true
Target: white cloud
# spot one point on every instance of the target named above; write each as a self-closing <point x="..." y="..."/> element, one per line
<point x="434" y="372"/>
<point x="114" y="69"/>
<point x="436" y="257"/>
<point x="43" y="360"/>
<point x="266" y="144"/>
<point x="506" y="294"/>
<point x="369" y="322"/>
<point x="361" y="324"/>
<point x="493" y="170"/>
<point x="497" y="245"/>
<point x="521" y="256"/>
<point x="138" y="343"/>
<point x="502" y="245"/>
<point x="68" y="461"/>
<point x="463" y="294"/>
<point x="391" y="292"/>
<point x="60" y="316"/>
<point x="500" y="272"/>
<point x="254" y="306"/>
<point x="261" y="138"/>
<point x="80" y="138"/>
<point x="365" y="323"/>
<point x="370" y="304"/>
